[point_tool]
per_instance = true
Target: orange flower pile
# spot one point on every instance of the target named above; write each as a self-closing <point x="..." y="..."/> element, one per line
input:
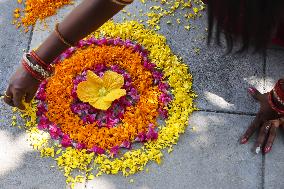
<point x="37" y="10"/>
<point x="136" y="119"/>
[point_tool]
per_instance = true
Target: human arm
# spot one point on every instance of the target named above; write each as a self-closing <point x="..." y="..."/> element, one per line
<point x="84" y="19"/>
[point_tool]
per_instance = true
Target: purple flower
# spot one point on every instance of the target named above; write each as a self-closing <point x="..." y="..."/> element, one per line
<point x="126" y="144"/>
<point x="80" y="146"/>
<point x="102" y="41"/>
<point x="134" y="94"/>
<point x="82" y="43"/>
<point x="149" y="65"/>
<point x="91" y="40"/>
<point x="163" y="113"/>
<point x="118" y="41"/>
<point x="54" y="131"/>
<point x="151" y="134"/>
<point x="97" y="150"/>
<point x="66" y="141"/>
<point x="157" y="75"/>
<point x="41" y="94"/>
<point x="100" y="68"/>
<point x="164" y="87"/>
<point x="41" y="109"/>
<point x="114" y="150"/>
<point x="137" y="47"/>
<point x="141" y="137"/>
<point x="90" y="118"/>
<point x="43" y="123"/>
<point x="165" y="98"/>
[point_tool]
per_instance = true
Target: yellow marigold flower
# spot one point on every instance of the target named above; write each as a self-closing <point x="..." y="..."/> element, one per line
<point x="101" y="92"/>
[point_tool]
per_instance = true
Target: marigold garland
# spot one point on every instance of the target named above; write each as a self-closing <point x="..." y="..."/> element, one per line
<point x="179" y="108"/>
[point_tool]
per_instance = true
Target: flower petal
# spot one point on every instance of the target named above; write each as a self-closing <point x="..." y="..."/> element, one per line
<point x="101" y="104"/>
<point x="115" y="94"/>
<point x="113" y="80"/>
<point x="89" y="90"/>
<point x="93" y="78"/>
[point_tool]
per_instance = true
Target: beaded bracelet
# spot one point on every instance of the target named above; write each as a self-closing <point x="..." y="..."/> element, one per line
<point x="278" y="92"/>
<point x="273" y="106"/>
<point x="122" y="2"/>
<point x="36" y="67"/>
<point x="32" y="72"/>
<point x="40" y="61"/>
<point x="60" y="36"/>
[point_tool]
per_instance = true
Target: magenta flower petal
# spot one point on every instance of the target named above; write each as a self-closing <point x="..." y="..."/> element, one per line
<point x="114" y="150"/>
<point x="80" y="146"/>
<point x="97" y="150"/>
<point x="151" y="134"/>
<point x="126" y="144"/>
<point x="66" y="141"/>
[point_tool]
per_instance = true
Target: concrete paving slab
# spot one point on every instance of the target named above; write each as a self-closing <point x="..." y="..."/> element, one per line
<point x="220" y="80"/>
<point x="274" y="164"/>
<point x="21" y="167"/>
<point x="274" y="67"/>
<point x="274" y="160"/>
<point x="210" y="157"/>
<point x="12" y="43"/>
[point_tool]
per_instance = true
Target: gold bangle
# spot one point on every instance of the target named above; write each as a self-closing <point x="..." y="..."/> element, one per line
<point x="60" y="36"/>
<point x="122" y="2"/>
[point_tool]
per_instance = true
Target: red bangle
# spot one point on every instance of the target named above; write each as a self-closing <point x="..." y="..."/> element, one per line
<point x="278" y="89"/>
<point x="273" y="106"/>
<point x="40" y="61"/>
<point x="33" y="73"/>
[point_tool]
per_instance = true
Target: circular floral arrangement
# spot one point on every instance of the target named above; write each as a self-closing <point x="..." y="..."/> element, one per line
<point x="105" y="95"/>
<point x="116" y="88"/>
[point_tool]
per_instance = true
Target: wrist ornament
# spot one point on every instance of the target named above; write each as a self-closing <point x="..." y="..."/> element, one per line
<point x="39" y="71"/>
<point x="276" y="97"/>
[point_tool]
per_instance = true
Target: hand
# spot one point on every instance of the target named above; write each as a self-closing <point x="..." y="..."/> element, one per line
<point x="266" y="122"/>
<point x="22" y="85"/>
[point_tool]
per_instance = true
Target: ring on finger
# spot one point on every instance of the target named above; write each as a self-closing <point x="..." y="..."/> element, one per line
<point x="267" y="127"/>
<point x="7" y="96"/>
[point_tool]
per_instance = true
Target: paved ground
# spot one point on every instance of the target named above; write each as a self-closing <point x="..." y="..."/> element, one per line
<point x="208" y="158"/>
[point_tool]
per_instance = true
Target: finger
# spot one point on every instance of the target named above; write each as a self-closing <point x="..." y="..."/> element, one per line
<point x="30" y="96"/>
<point x="281" y="122"/>
<point x="8" y="97"/>
<point x="254" y="93"/>
<point x="261" y="136"/>
<point x="270" y="140"/>
<point x="18" y="98"/>
<point x="253" y="126"/>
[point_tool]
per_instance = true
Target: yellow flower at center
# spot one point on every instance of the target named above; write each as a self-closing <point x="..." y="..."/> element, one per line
<point x="101" y="92"/>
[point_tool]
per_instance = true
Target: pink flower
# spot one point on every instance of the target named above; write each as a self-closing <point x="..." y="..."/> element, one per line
<point x="141" y="137"/>
<point x="164" y="87"/>
<point x="43" y="123"/>
<point x="151" y="134"/>
<point x="66" y="141"/>
<point x="102" y="41"/>
<point x="89" y="119"/>
<point x="54" y="131"/>
<point x="157" y="75"/>
<point x="97" y="150"/>
<point x="126" y="144"/>
<point x="163" y="113"/>
<point x="165" y="98"/>
<point x="149" y="65"/>
<point x="80" y="146"/>
<point x="41" y="109"/>
<point x="114" y="150"/>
